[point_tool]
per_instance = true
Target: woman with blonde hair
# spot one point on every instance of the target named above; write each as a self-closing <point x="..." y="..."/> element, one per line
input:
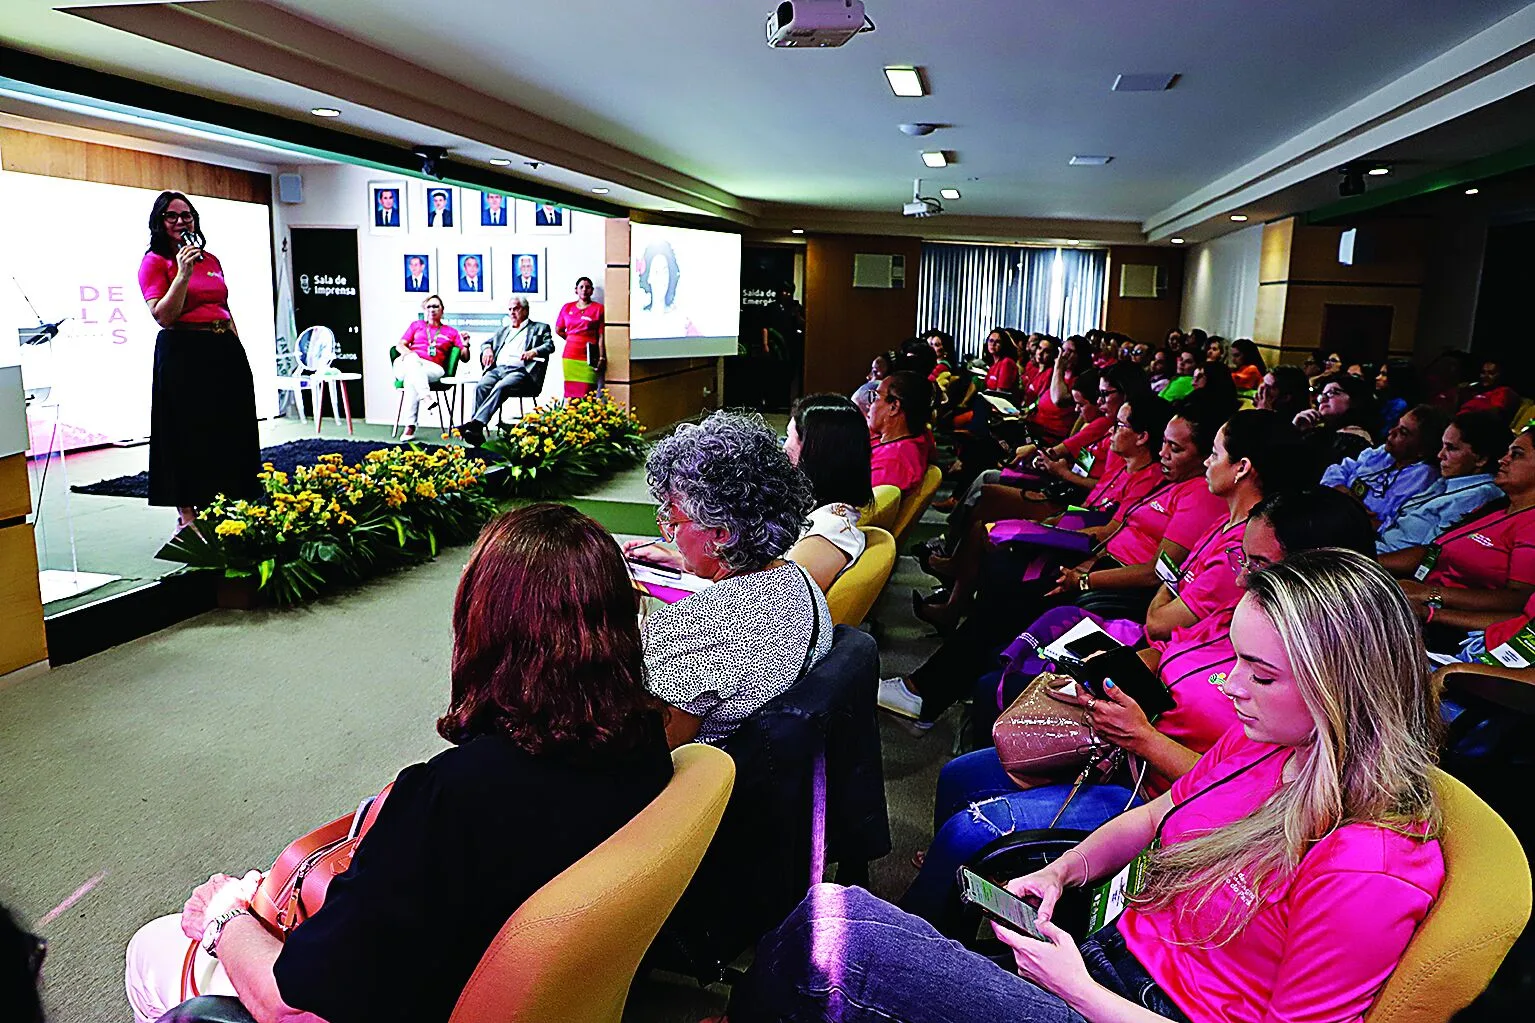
<point x="1287" y="871"/>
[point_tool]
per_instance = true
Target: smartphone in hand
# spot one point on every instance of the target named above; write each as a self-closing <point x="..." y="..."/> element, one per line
<point x="999" y="904"/>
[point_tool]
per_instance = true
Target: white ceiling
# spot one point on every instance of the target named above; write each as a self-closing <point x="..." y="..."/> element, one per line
<point x="690" y="84"/>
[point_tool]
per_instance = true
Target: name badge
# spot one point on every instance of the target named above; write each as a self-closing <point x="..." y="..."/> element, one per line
<point x="1518" y="652"/>
<point x="1359" y="489"/>
<point x="1167" y="572"/>
<point x="1111" y="897"/>
<point x="1426" y="565"/>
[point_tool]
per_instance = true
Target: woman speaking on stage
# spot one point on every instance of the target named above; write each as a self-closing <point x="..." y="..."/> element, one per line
<point x="580" y="325"/>
<point x="202" y="440"/>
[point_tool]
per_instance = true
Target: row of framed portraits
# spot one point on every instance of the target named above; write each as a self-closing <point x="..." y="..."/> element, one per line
<point x="465" y="273"/>
<point x="450" y="209"/>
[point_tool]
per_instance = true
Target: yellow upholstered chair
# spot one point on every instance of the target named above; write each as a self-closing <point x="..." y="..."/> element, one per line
<point x="915" y="503"/>
<point x="1522" y="415"/>
<point x="1482" y="908"/>
<point x="570" y="952"/>
<point x="858" y="587"/>
<point x="883" y="509"/>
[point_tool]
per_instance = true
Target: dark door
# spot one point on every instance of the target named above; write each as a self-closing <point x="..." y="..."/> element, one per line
<point x="1359" y="333"/>
<point x="1502" y="305"/>
<point x="326" y="293"/>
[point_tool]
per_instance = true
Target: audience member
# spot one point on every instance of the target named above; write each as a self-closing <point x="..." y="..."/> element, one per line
<point x="879" y="368"/>
<point x="1001" y="359"/>
<point x="1160" y="369"/>
<point x="1182" y="385"/>
<point x="1053" y="417"/>
<point x="1216" y="350"/>
<point x="1035" y="373"/>
<point x="898" y="424"/>
<point x="1320" y="801"/>
<point x="1383" y="478"/>
<point x="732" y="503"/>
<point x="1342" y="424"/>
<point x="1490" y="394"/>
<point x="1396" y="390"/>
<point x="829" y="441"/>
<point x="548" y="712"/>
<point x="1247" y="365"/>
<point x="916" y="356"/>
<point x="21" y="970"/>
<point x="1283" y="390"/>
<point x="1469" y="451"/>
<point x="1213" y="381"/>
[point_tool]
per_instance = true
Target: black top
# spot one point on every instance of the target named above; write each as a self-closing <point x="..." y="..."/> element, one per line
<point x="461" y="842"/>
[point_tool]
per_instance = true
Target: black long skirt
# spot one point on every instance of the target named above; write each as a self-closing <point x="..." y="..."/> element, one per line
<point x="202" y="420"/>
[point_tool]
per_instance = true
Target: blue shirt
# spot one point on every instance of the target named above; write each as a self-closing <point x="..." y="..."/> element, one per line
<point x="1420" y="519"/>
<point x="1375" y="479"/>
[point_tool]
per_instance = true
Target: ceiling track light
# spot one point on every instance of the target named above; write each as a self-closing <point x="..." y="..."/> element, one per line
<point x="325" y="111"/>
<point x="599" y="190"/>
<point x="949" y="193"/>
<point x="1176" y="240"/>
<point x="1238" y="218"/>
<point x="1378" y="171"/>
<point x="1473" y="191"/>
<point x="500" y="161"/>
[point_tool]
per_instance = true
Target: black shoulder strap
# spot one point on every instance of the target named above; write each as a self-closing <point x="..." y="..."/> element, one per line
<point x="815" y="620"/>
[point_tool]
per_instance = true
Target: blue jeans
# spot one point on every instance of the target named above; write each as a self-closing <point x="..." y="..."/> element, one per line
<point x="845" y="956"/>
<point x="977" y="803"/>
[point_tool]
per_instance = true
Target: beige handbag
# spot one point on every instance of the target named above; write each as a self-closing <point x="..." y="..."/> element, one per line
<point x="1042" y="737"/>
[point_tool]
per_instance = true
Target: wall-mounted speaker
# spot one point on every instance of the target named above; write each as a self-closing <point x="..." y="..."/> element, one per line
<point x="290" y="188"/>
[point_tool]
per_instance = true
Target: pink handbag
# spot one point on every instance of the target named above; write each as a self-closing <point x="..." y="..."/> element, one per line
<point x="1041" y="737"/>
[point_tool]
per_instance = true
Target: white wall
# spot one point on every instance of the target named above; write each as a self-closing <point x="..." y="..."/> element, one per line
<point x="1220" y="284"/>
<point x="338" y="196"/>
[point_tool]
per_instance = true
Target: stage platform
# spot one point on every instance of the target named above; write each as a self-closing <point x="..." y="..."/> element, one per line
<point x="117" y="538"/>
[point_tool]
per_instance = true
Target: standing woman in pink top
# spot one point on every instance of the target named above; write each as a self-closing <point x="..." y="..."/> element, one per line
<point x="580" y="324"/>
<point x="202" y="419"/>
<point x="1287" y="871"/>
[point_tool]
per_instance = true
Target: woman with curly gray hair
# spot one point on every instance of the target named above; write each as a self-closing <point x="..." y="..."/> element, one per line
<point x="733" y="503"/>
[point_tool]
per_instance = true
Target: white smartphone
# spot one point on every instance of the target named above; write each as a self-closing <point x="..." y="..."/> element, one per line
<point x="999" y="904"/>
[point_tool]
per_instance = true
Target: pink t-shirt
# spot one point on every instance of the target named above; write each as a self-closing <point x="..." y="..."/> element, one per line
<point x="1035" y="379"/>
<point x="1053" y="419"/>
<point x="1487" y="554"/>
<point x="207" y="294"/>
<point x="1120" y="488"/>
<point x="432" y="343"/>
<point x="1207" y="580"/>
<point x="1499" y="633"/>
<point x="898" y="463"/>
<point x="1093" y="430"/>
<point x="578" y="326"/>
<point x="1179" y="512"/>
<point x="1003" y="375"/>
<point x="1325" y="939"/>
<point x="1194" y="660"/>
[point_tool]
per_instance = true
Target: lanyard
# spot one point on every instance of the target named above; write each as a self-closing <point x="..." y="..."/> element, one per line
<point x="1471" y="527"/>
<point x="1387" y="478"/>
<point x="1156" y="841"/>
<point x="1193" y="559"/>
<point x="1203" y="667"/>
<point x="1108" y="484"/>
<point x="1124" y="520"/>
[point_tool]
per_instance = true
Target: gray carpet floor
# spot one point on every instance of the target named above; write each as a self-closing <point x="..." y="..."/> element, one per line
<point x="207" y="746"/>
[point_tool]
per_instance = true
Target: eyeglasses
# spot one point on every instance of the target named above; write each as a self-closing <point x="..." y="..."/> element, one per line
<point x="1108" y="392"/>
<point x="1241" y="561"/>
<point x="667" y="524"/>
<point x="186" y="215"/>
<point x="1332" y="392"/>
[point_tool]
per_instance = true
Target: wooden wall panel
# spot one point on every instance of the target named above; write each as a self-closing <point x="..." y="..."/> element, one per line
<point x="30" y="153"/>
<point x="1385" y="252"/>
<point x="661" y="401"/>
<point x="1268" y="325"/>
<point x="15" y="488"/>
<point x="1274" y="256"/>
<point x="844" y="325"/>
<point x="1145" y="319"/>
<point x="22" y="638"/>
<point x="1305" y="307"/>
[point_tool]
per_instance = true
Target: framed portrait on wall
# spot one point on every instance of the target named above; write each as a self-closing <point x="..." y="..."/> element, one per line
<point x="386" y="203"/>
<point x="495" y="210"/>
<point x="542" y="218"/>
<point x="528" y="274"/>
<point x="473" y="272"/>
<point x="420" y="272"/>
<point x="441" y="208"/>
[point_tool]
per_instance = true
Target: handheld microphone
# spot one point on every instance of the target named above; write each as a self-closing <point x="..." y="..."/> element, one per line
<point x="193" y="237"/>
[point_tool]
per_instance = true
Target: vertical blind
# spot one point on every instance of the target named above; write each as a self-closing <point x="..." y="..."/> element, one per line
<point x="967" y="290"/>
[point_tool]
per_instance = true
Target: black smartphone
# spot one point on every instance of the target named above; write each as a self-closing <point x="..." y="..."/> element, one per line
<point x="999" y="904"/>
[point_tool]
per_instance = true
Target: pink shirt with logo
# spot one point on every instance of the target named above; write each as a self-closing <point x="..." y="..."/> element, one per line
<point x="1325" y="938"/>
<point x="207" y="294"/>
<point x="1207" y="580"/>
<point x="1093" y="430"/>
<point x="1180" y="512"/>
<point x="432" y="343"/>
<point x="1120" y="488"/>
<point x="1191" y="657"/>
<point x="899" y="463"/>
<point x="1487" y="554"/>
<point x="578" y="326"/>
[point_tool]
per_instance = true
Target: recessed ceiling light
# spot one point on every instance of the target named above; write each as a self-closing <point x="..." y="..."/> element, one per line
<point x="1089" y="161"/>
<point x="1073" y="241"/>
<point x="935" y="158"/>
<point x="325" y="111"/>
<point x="949" y="193"/>
<point x="1158" y="82"/>
<point x="905" y="81"/>
<point x="1176" y="241"/>
<point x="1472" y="191"/>
<point x="1239" y="217"/>
<point x="500" y="161"/>
<point x="599" y="191"/>
<point x="796" y="230"/>
<point x="1378" y="172"/>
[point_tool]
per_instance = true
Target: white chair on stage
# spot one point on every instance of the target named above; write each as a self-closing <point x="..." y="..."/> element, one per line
<point x="309" y="368"/>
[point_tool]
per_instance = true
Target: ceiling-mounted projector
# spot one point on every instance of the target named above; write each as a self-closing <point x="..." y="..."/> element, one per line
<point x="810" y="23"/>
<point x="921" y="205"/>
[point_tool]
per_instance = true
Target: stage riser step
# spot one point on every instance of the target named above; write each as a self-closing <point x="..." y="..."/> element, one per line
<point x="91" y="628"/>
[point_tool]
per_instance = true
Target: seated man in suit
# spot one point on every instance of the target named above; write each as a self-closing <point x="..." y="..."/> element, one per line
<point x="515" y="360"/>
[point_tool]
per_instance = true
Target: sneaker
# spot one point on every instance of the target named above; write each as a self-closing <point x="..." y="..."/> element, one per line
<point x="898" y="700"/>
<point x="408" y="436"/>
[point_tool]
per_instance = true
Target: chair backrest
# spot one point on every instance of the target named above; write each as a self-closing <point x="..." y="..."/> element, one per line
<point x="316" y="349"/>
<point x="1482" y="907"/>
<point x="1522" y="415"/>
<point x="915" y="503"/>
<point x="570" y="951"/>
<point x="883" y="509"/>
<point x="854" y="592"/>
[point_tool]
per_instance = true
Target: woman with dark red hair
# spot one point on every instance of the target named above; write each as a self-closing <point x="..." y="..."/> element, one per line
<point x="556" y="745"/>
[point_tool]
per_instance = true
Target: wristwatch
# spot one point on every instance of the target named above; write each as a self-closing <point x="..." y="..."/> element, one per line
<point x="1085" y="583"/>
<point x="214" y="928"/>
<point x="1434" y="602"/>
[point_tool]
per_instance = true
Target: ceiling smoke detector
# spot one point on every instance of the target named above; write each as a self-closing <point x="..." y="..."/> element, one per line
<point x="921" y="205"/>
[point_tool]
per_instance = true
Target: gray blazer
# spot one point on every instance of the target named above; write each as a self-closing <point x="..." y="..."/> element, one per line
<point x="538" y="340"/>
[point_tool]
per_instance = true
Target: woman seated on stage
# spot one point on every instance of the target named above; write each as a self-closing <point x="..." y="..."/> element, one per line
<point x="1288" y="870"/>
<point x="556" y="745"/>
<point x="422" y="360"/>
<point x="732" y="504"/>
<point x="978" y="801"/>
<point x="1469" y="450"/>
<point x="902" y="445"/>
<point x="1481" y="571"/>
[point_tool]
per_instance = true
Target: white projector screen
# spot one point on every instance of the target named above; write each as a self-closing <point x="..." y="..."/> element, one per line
<point x="77" y="252"/>
<point x="684" y="292"/>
